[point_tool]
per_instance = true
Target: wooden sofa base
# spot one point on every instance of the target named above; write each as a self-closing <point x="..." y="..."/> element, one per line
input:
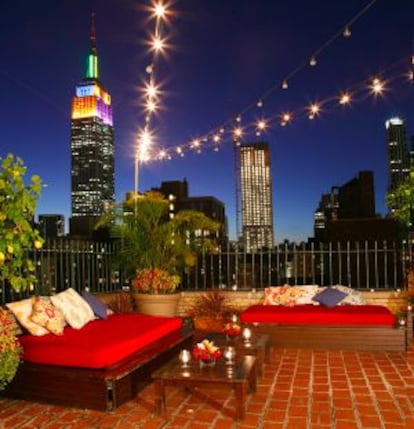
<point x="356" y="338"/>
<point x="99" y="389"/>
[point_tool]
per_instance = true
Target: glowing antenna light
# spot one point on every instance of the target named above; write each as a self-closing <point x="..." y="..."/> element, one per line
<point x="345" y="98"/>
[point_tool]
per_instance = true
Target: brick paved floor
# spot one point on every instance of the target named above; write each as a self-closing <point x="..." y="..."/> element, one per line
<point x="301" y="389"/>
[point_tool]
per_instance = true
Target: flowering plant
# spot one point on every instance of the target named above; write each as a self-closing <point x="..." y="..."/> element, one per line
<point x="155" y="281"/>
<point x="10" y="350"/>
<point x="206" y="350"/>
<point x="232" y="329"/>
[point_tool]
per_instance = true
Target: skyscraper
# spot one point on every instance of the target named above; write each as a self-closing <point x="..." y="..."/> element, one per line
<point x="256" y="196"/>
<point x="398" y="154"/>
<point x="92" y="148"/>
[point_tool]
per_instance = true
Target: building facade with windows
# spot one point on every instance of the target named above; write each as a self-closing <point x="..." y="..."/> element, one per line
<point x="398" y="154"/>
<point x="92" y="148"/>
<point x="256" y="196"/>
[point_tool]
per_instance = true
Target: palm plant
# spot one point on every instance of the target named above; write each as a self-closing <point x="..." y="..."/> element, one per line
<point x="150" y="239"/>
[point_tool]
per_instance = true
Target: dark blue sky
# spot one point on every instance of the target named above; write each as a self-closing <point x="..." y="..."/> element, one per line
<point x="225" y="55"/>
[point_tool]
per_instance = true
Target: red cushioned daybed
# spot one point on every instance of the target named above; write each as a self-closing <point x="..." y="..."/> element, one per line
<point x="99" y="366"/>
<point x="347" y="327"/>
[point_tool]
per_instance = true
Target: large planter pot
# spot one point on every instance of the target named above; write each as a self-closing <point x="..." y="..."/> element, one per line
<point x="157" y="305"/>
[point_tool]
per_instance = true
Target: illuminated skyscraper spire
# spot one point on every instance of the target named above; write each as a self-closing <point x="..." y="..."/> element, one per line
<point x="92" y="148"/>
<point x="92" y="71"/>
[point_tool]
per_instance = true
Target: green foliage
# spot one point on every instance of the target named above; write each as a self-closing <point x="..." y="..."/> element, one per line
<point x="17" y="234"/>
<point x="10" y="350"/>
<point x="402" y="200"/>
<point x="149" y="238"/>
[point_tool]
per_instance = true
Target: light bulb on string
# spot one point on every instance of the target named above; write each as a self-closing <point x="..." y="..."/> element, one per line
<point x="285" y="84"/>
<point x="314" y="110"/>
<point x="345" y="98"/>
<point x="347" y="32"/>
<point x="377" y="86"/>
<point x="312" y="61"/>
<point x="259" y="103"/>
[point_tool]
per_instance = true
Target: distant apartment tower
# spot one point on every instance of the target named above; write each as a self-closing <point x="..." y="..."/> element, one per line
<point x="51" y="225"/>
<point x="398" y="154"/>
<point x="256" y="196"/>
<point x="353" y="200"/>
<point x="177" y="194"/>
<point x="92" y="148"/>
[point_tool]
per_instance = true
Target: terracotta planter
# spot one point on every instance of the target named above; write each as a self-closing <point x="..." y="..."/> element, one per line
<point x="157" y="305"/>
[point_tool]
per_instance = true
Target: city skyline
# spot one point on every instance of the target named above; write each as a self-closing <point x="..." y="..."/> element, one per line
<point x="209" y="77"/>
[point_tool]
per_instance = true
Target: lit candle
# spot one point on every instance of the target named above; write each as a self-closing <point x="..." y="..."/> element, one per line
<point x="229" y="353"/>
<point x="185" y="357"/>
<point x="234" y="318"/>
<point x="409" y="307"/>
<point x="247" y="334"/>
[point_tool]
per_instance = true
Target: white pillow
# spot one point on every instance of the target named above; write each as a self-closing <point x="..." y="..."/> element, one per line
<point x="76" y="310"/>
<point x="354" y="297"/>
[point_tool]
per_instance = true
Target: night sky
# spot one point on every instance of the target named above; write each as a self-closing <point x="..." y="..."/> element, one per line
<point x="225" y="55"/>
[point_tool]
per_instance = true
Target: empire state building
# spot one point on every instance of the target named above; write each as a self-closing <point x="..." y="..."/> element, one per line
<point x="92" y="148"/>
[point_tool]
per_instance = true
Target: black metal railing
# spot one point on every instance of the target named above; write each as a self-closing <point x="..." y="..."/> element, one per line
<point x="369" y="265"/>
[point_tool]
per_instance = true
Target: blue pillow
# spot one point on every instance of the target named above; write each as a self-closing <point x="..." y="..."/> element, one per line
<point x="98" y="307"/>
<point x="329" y="297"/>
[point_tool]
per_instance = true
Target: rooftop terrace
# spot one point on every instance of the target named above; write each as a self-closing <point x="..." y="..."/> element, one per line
<point x="309" y="389"/>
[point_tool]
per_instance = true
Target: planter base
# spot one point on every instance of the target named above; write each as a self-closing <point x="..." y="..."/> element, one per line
<point x="157" y="305"/>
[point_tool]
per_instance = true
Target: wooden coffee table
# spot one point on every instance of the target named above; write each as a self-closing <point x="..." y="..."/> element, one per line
<point x="241" y="377"/>
<point x="258" y="345"/>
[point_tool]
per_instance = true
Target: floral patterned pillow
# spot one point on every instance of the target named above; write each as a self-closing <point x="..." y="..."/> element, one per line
<point x="23" y="310"/>
<point x="47" y="315"/>
<point x="281" y="295"/>
<point x="354" y="297"/>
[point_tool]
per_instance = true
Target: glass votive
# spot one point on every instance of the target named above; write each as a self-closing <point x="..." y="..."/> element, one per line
<point x="185" y="357"/>
<point x="402" y="322"/>
<point x="409" y="307"/>
<point x="234" y="318"/>
<point x="247" y="334"/>
<point x="229" y="354"/>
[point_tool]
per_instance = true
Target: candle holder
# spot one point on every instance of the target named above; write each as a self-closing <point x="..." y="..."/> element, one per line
<point x="229" y="354"/>
<point x="247" y="335"/>
<point x="185" y="357"/>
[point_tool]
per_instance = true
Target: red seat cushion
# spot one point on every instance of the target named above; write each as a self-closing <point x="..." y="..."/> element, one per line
<point x="99" y="344"/>
<point x="364" y="315"/>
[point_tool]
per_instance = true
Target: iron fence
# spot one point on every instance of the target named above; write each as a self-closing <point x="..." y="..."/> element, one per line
<point x="369" y="265"/>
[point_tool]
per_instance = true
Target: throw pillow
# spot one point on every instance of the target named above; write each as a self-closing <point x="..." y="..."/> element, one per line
<point x="76" y="310"/>
<point x="23" y="310"/>
<point x="14" y="326"/>
<point x="329" y="297"/>
<point x="47" y="315"/>
<point x="281" y="295"/>
<point x="354" y="297"/>
<point x="99" y="308"/>
<point x="307" y="294"/>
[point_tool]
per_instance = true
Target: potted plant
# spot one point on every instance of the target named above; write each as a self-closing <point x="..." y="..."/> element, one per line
<point x="155" y="248"/>
<point x="17" y="237"/>
<point x="210" y="311"/>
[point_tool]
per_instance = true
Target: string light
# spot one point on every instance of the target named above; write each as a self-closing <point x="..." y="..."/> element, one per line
<point x="345" y="98"/>
<point x="377" y="86"/>
<point x="347" y="32"/>
<point x="312" y="61"/>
